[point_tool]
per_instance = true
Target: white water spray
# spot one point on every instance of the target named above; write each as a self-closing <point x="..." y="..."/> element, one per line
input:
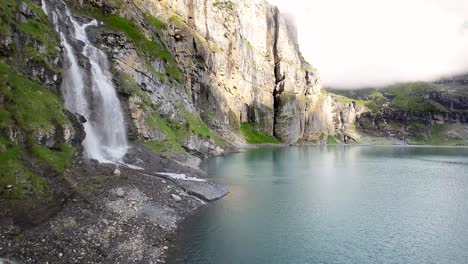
<point x="96" y="100"/>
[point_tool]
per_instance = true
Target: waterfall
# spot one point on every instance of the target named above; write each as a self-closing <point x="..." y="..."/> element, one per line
<point x="91" y="93"/>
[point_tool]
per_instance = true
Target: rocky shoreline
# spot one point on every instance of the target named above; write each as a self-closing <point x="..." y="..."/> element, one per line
<point x="124" y="215"/>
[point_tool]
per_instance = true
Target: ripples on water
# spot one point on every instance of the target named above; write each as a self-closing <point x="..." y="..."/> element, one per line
<point x="334" y="204"/>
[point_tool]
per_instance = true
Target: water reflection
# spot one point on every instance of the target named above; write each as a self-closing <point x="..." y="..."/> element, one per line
<point x="334" y="204"/>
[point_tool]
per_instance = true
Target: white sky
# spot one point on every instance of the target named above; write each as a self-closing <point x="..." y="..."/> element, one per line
<point x="357" y="43"/>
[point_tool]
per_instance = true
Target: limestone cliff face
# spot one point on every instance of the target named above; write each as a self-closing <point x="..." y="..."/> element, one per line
<point x="242" y="62"/>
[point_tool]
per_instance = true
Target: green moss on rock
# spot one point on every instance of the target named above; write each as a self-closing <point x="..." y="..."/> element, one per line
<point x="156" y="22"/>
<point x="16" y="180"/>
<point x="7" y="12"/>
<point x="41" y="43"/>
<point x="29" y="105"/>
<point x="436" y="136"/>
<point x="331" y="140"/>
<point x="149" y="49"/>
<point x="165" y="147"/>
<point x="253" y="136"/>
<point x="29" y="108"/>
<point x="59" y="159"/>
<point x="410" y="97"/>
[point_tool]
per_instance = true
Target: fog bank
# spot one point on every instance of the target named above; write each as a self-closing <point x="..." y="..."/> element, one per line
<point x="362" y="43"/>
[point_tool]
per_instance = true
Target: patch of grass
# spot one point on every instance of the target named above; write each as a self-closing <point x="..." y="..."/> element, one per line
<point x="175" y="133"/>
<point x="196" y="125"/>
<point x="41" y="45"/>
<point x="436" y="137"/>
<point x="59" y="159"/>
<point x="253" y="136"/>
<point x="99" y="180"/>
<point x="7" y="12"/>
<point x="175" y="19"/>
<point x="156" y="22"/>
<point x="40" y="30"/>
<point x="394" y="125"/>
<point x="29" y="108"/>
<point x="372" y="106"/>
<point x="410" y="97"/>
<point x="29" y="105"/>
<point x="209" y="115"/>
<point x="229" y="5"/>
<point x="167" y="147"/>
<point x="331" y="140"/>
<point x="14" y="172"/>
<point x="234" y="121"/>
<point x="130" y="87"/>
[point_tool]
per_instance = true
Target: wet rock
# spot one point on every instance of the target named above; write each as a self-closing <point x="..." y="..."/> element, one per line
<point x="204" y="190"/>
<point x="120" y="192"/>
<point x="176" y="197"/>
<point x="82" y="119"/>
<point x="117" y="172"/>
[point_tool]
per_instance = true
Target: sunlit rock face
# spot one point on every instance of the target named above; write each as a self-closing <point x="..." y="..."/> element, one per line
<point x="242" y="62"/>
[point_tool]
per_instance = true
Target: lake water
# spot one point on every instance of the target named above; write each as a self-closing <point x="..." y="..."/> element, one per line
<point x="333" y="204"/>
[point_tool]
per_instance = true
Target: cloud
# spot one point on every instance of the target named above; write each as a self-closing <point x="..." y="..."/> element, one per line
<point x="364" y="43"/>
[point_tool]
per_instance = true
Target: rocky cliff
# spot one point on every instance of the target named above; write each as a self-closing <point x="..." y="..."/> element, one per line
<point x="233" y="62"/>
<point x="413" y="113"/>
<point x="243" y="65"/>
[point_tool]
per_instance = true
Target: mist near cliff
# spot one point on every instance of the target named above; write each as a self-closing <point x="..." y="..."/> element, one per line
<point x="368" y="43"/>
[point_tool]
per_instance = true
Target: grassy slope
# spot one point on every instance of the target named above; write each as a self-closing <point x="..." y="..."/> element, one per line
<point x="410" y="97"/>
<point x="29" y="108"/>
<point x="253" y="136"/>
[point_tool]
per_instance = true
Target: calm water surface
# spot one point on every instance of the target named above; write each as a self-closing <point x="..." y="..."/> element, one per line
<point x="333" y="204"/>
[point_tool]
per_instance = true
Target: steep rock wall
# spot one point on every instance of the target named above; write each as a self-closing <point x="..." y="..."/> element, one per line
<point x="242" y="63"/>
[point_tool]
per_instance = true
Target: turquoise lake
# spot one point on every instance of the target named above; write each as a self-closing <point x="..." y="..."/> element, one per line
<point x="333" y="204"/>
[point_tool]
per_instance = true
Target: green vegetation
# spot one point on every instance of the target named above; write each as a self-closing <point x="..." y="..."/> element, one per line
<point x="374" y="107"/>
<point x="410" y="97"/>
<point x="59" y="160"/>
<point x="234" y="121"/>
<point x="209" y="115"/>
<point x="29" y="109"/>
<point x="405" y="96"/>
<point x="253" y="136"/>
<point x="229" y="5"/>
<point x="7" y="12"/>
<point x="251" y="47"/>
<point x="306" y="66"/>
<point x="177" y="132"/>
<point x="149" y="49"/>
<point x="331" y="140"/>
<point x="130" y="87"/>
<point x="166" y="147"/>
<point x="28" y="104"/>
<point x="41" y="48"/>
<point x="99" y="180"/>
<point x="156" y="22"/>
<point x="196" y="125"/>
<point x="13" y="172"/>
<point x="436" y="137"/>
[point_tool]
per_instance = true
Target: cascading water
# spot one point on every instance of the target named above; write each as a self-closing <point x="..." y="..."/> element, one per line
<point x="91" y="94"/>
